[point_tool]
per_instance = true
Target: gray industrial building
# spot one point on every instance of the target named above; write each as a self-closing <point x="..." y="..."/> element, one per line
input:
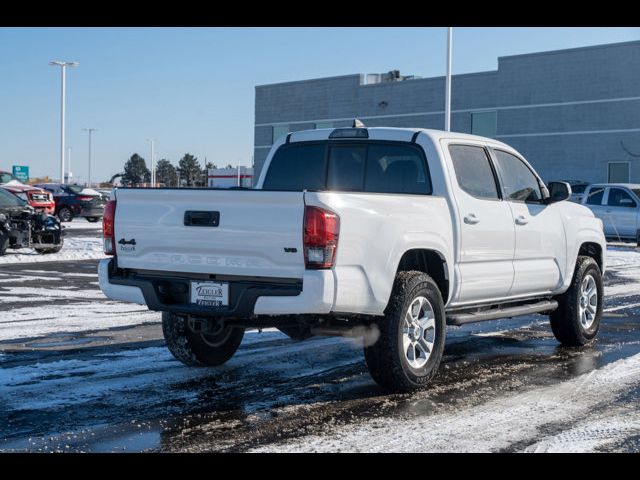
<point x="574" y="114"/>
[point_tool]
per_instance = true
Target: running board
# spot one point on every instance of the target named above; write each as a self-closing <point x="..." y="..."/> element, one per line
<point x="504" y="312"/>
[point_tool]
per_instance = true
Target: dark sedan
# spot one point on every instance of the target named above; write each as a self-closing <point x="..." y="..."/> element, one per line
<point x="75" y="201"/>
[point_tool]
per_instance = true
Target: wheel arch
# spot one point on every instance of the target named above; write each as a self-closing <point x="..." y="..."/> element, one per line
<point x="430" y="261"/>
<point x="593" y="250"/>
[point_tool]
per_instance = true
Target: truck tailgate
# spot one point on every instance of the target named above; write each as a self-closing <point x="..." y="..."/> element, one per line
<point x="228" y="232"/>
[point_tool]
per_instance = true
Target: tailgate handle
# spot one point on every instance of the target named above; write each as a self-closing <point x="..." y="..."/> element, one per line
<point x="201" y="219"/>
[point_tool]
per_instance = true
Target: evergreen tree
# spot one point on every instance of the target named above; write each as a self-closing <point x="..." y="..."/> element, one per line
<point x="190" y="171"/>
<point x="135" y="171"/>
<point x="166" y="173"/>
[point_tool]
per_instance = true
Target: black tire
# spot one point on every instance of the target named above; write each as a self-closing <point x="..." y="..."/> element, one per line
<point x="386" y="358"/>
<point x="566" y="319"/>
<point x="297" y="332"/>
<point x="46" y="251"/>
<point x="4" y="243"/>
<point x="92" y="219"/>
<point x="65" y="214"/>
<point x="197" y="349"/>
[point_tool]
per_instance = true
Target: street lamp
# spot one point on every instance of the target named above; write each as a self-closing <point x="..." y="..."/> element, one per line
<point x="153" y="163"/>
<point x="64" y="66"/>
<point x="90" y="130"/>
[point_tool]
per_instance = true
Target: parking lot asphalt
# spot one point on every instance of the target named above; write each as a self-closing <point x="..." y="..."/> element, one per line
<point x="79" y="372"/>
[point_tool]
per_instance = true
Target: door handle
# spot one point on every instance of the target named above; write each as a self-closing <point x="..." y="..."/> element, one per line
<point x="471" y="219"/>
<point x="522" y="220"/>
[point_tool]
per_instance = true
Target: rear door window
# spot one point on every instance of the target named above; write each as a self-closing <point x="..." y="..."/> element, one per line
<point x="473" y="171"/>
<point x="594" y="197"/>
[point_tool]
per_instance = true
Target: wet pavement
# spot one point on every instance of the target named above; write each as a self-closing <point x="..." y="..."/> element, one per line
<point x="118" y="388"/>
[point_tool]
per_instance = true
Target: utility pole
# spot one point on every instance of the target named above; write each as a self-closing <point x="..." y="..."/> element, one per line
<point x="63" y="66"/>
<point x="90" y="130"/>
<point x="447" y="106"/>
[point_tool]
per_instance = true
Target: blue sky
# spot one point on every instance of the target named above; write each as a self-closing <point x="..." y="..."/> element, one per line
<point x="192" y="89"/>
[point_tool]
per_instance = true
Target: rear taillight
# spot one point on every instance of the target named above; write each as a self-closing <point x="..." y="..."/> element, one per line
<point x="84" y="198"/>
<point x="320" y="237"/>
<point x="108" y="234"/>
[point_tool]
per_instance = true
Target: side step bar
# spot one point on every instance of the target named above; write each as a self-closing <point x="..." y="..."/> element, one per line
<point x="501" y="312"/>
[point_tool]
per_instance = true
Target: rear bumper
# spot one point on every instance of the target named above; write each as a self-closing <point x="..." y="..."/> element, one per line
<point x="315" y="294"/>
<point x="121" y="293"/>
<point x="91" y="212"/>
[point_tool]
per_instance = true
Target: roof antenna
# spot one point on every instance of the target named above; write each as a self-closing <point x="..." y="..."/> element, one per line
<point x="358" y="123"/>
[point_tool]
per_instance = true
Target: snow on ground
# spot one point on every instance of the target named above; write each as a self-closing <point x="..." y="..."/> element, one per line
<point x="494" y="425"/>
<point x="84" y="248"/>
<point x="29" y="321"/>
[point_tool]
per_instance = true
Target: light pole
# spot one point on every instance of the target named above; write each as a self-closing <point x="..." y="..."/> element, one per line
<point x="153" y="163"/>
<point x="69" y="173"/>
<point x="447" y="101"/>
<point x="63" y="66"/>
<point x="90" y="130"/>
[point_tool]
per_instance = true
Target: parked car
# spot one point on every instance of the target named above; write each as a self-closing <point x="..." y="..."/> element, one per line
<point x="22" y="227"/>
<point x="387" y="234"/>
<point x="38" y="198"/>
<point x="577" y="189"/>
<point x="75" y="201"/>
<point x="618" y="206"/>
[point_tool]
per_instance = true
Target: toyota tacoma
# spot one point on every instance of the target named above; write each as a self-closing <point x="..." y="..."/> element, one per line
<point x="388" y="234"/>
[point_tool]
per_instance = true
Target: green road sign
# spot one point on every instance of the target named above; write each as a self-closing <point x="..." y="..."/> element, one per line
<point x="21" y="172"/>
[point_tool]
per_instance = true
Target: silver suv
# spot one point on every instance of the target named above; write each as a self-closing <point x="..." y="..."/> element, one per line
<point x="618" y="206"/>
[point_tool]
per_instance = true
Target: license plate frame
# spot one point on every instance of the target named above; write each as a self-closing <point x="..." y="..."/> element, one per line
<point x="209" y="294"/>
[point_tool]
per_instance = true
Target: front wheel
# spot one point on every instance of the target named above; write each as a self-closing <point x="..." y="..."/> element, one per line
<point x="92" y="219"/>
<point x="198" y="349"/>
<point x="412" y="333"/>
<point x="577" y="319"/>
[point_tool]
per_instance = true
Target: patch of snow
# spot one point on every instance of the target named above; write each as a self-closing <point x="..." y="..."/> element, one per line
<point x="492" y="426"/>
<point x="73" y="249"/>
<point x="29" y="322"/>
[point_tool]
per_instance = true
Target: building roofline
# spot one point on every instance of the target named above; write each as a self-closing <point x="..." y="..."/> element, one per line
<point x="309" y="80"/>
<point x="570" y="50"/>
<point x="457" y="75"/>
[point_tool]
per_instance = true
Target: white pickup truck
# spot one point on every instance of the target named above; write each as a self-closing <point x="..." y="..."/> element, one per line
<point x="385" y="233"/>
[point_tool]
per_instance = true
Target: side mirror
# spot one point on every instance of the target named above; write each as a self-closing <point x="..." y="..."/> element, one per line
<point x="558" y="191"/>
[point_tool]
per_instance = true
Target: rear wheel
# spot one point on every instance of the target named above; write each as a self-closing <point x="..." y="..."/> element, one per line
<point x="92" y="219"/>
<point x="577" y="319"/>
<point x="198" y="349"/>
<point x="408" y="352"/>
<point x="65" y="214"/>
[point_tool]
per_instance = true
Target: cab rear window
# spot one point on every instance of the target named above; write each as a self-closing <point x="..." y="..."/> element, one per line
<point x="375" y="167"/>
